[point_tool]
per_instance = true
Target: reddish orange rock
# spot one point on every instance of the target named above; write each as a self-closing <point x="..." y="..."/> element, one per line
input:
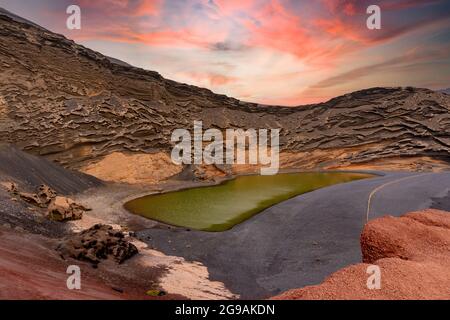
<point x="412" y="252"/>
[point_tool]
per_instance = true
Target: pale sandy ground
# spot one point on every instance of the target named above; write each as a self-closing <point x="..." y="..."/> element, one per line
<point x="306" y="161"/>
<point x="189" y="279"/>
<point x="152" y="169"/>
<point x="400" y="164"/>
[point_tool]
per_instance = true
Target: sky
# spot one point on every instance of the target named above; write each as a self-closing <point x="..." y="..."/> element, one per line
<point x="280" y="52"/>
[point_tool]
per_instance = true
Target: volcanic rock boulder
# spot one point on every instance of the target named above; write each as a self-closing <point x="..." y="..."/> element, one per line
<point x="96" y="244"/>
<point x="42" y="198"/>
<point x="412" y="253"/>
<point x="65" y="209"/>
<point x="416" y="237"/>
<point x="59" y="208"/>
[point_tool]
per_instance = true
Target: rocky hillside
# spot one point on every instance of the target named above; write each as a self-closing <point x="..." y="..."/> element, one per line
<point x="75" y="106"/>
<point x="30" y="171"/>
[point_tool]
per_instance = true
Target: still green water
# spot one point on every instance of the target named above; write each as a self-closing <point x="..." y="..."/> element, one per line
<point x="221" y="207"/>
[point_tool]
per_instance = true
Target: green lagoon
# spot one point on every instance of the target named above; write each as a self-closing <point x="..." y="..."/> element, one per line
<point x="219" y="208"/>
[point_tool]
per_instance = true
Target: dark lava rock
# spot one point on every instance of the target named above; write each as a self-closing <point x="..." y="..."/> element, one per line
<point x="96" y="244"/>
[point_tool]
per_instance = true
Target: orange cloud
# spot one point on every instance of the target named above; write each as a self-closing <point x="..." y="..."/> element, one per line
<point x="349" y="9"/>
<point x="278" y="29"/>
<point x="322" y="40"/>
<point x="212" y="79"/>
<point x="163" y="38"/>
<point x="124" y="7"/>
<point x="148" y="7"/>
<point x="231" y="6"/>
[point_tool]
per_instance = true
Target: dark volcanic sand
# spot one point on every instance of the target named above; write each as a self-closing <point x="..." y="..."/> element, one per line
<point x="28" y="172"/>
<point x="442" y="203"/>
<point x="302" y="241"/>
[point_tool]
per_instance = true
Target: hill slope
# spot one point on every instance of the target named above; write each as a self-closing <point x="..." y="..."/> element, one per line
<point x="75" y="106"/>
<point x="30" y="171"/>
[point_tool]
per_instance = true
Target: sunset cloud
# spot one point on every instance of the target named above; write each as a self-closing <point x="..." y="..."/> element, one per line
<point x="134" y="8"/>
<point x="210" y="79"/>
<point x="267" y="51"/>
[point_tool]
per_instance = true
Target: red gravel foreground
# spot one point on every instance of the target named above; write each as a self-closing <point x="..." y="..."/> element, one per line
<point x="30" y="269"/>
<point x="412" y="252"/>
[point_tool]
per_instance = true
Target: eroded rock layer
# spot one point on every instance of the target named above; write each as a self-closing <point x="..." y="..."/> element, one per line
<point x="75" y="106"/>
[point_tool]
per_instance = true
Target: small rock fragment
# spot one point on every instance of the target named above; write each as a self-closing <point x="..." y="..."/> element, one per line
<point x="30" y="198"/>
<point x="11" y="187"/>
<point x="46" y="194"/>
<point x="64" y="209"/>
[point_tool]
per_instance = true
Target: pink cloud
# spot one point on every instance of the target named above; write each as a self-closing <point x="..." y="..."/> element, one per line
<point x="319" y="38"/>
<point x="320" y="42"/>
<point x="228" y="7"/>
<point x="279" y="29"/>
<point x="213" y="79"/>
<point x="147" y="7"/>
<point x="123" y="7"/>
